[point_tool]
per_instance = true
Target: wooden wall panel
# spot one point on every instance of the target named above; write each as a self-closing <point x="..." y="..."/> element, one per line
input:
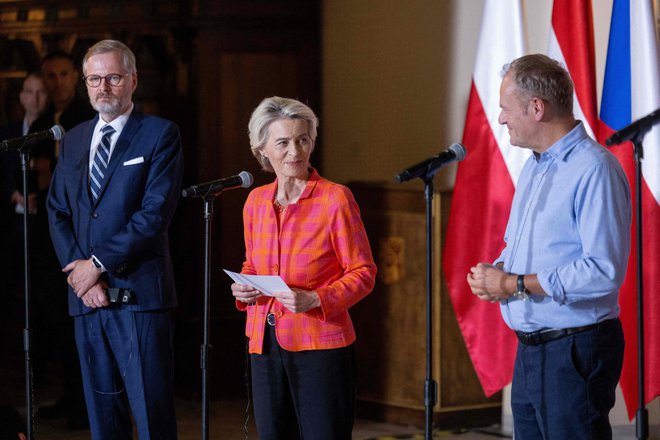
<point x="234" y="82"/>
<point x="391" y="322"/>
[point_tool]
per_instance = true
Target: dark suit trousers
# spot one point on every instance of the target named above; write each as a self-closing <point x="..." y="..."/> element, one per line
<point x="565" y="388"/>
<point x="127" y="362"/>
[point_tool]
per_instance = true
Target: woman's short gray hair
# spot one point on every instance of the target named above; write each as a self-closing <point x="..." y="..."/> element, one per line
<point x="274" y="109"/>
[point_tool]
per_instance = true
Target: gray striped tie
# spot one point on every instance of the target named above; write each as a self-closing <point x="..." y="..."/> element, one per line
<point x="101" y="159"/>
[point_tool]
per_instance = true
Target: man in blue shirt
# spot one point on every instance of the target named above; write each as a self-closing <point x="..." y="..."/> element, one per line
<point x="558" y="277"/>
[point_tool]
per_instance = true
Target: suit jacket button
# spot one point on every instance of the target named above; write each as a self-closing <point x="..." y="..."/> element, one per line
<point x="94" y="214"/>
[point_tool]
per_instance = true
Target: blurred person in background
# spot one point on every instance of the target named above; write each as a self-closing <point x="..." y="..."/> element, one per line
<point x="33" y="100"/>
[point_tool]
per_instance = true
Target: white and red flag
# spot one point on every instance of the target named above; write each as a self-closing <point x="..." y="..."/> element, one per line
<point x="485" y="182"/>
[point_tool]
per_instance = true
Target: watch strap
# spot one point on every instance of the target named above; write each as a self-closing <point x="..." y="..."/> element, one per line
<point x="521" y="293"/>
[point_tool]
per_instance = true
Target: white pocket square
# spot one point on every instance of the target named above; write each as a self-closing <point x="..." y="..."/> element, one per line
<point x="135" y="161"/>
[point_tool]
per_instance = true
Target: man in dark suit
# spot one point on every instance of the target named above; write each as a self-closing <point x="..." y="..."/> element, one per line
<point x="111" y="200"/>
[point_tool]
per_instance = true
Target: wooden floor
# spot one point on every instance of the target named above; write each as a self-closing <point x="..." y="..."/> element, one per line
<point x="226" y="421"/>
<point x="227" y="414"/>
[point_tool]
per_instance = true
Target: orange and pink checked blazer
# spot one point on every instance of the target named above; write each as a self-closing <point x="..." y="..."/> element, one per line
<point x="319" y="244"/>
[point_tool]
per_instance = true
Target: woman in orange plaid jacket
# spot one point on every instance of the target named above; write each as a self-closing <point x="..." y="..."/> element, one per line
<point x="308" y="231"/>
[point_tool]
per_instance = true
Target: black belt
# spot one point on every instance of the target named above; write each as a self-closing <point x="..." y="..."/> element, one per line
<point x="543" y="336"/>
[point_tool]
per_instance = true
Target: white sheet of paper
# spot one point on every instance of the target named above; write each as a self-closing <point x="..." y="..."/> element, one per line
<point x="266" y="284"/>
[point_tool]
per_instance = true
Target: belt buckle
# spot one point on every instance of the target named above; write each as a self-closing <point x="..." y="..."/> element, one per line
<point x="532" y="338"/>
<point x="270" y="319"/>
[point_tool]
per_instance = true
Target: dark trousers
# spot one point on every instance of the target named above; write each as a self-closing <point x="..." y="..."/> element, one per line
<point x="127" y="361"/>
<point x="565" y="388"/>
<point x="308" y="395"/>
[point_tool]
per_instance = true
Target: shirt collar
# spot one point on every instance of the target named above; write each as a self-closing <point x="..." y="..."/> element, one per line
<point x="314" y="177"/>
<point x="311" y="184"/>
<point x="562" y="148"/>
<point x="118" y="123"/>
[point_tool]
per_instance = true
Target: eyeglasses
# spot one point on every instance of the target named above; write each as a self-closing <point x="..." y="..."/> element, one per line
<point x="114" y="79"/>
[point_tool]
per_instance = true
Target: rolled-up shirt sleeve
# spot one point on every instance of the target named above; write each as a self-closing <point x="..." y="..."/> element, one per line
<point x="602" y="221"/>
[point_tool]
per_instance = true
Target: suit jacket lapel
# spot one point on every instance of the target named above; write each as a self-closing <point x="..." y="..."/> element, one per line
<point x="83" y="161"/>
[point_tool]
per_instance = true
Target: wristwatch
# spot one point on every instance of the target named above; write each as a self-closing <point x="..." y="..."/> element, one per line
<point x="97" y="264"/>
<point x="521" y="292"/>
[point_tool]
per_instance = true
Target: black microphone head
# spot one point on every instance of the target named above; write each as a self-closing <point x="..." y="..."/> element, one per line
<point x="459" y="150"/>
<point x="58" y="132"/>
<point x="246" y="178"/>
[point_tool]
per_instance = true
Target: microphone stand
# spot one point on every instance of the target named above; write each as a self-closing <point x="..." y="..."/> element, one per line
<point x="641" y="418"/>
<point x="208" y="192"/>
<point x="635" y="132"/>
<point x="205" y="349"/>
<point x="24" y="153"/>
<point x="430" y="385"/>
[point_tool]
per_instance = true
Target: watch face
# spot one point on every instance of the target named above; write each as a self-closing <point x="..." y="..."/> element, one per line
<point x="523" y="295"/>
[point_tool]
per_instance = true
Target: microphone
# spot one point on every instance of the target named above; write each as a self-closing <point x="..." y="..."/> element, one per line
<point x="214" y="187"/>
<point x="456" y="152"/>
<point x="54" y="133"/>
<point x="640" y="126"/>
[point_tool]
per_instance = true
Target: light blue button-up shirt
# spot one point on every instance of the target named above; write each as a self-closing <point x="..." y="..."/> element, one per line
<point x="570" y="225"/>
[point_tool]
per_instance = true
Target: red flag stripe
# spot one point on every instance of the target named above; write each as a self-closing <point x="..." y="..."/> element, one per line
<point x="479" y="210"/>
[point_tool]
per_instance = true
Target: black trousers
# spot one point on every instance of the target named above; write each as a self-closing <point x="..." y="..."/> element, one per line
<point x="307" y="395"/>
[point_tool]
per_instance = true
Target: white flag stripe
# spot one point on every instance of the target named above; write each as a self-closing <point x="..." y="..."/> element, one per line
<point x="555" y="52"/>
<point x="645" y="85"/>
<point x="493" y="53"/>
<point x="483" y="185"/>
